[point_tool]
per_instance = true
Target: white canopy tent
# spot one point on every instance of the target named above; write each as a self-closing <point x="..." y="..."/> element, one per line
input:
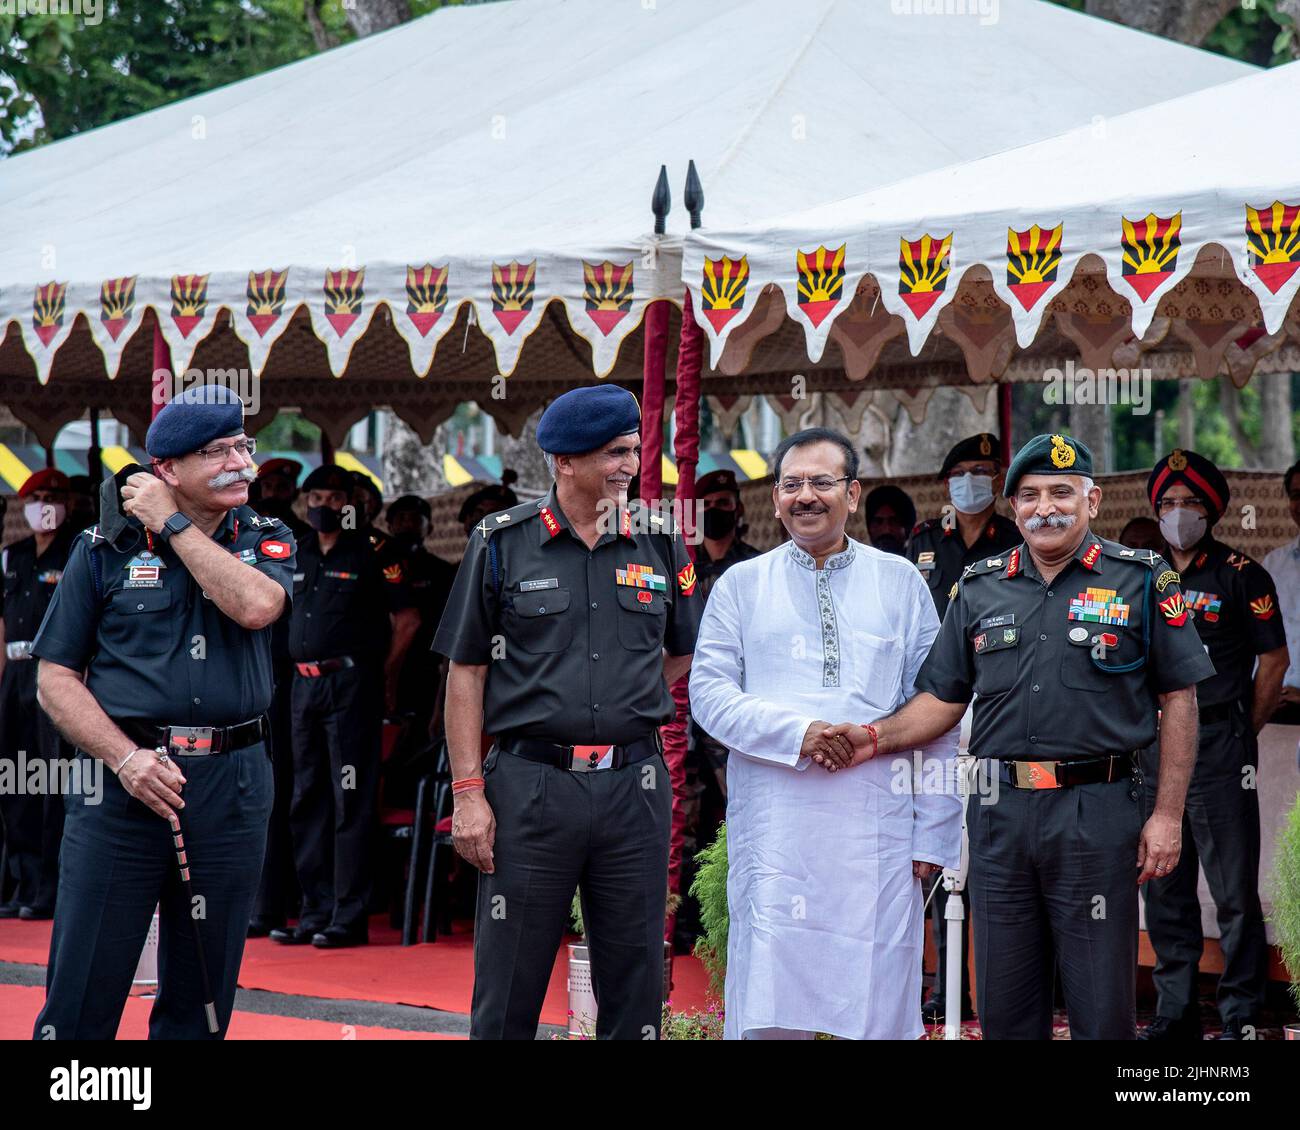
<point x="1170" y="234"/>
<point x="461" y="173"/>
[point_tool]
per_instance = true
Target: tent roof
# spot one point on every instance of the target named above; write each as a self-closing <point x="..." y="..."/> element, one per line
<point x="519" y="133"/>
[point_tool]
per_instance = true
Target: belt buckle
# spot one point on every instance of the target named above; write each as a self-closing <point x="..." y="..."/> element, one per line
<point x="1035" y="775"/>
<point x="589" y="758"/>
<point x="189" y="739"/>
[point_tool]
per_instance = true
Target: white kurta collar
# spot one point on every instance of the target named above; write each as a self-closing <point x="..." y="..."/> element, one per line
<point x="841" y="560"/>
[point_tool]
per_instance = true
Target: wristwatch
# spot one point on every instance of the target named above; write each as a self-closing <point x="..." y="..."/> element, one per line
<point x="174" y="525"/>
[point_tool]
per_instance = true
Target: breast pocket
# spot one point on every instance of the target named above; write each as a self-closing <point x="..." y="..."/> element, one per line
<point x="541" y="623"/>
<point x="878" y="669"/>
<point x="1113" y="646"/>
<point x="997" y="654"/>
<point x="641" y="618"/>
<point x="140" y="622"/>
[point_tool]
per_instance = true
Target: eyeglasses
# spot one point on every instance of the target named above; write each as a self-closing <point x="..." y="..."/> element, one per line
<point x="822" y="484"/>
<point x="1165" y="505"/>
<point x="220" y="452"/>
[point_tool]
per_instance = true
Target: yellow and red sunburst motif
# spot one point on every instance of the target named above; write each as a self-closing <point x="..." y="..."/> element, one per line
<point x="513" y="287"/>
<point x="821" y="281"/>
<point x="189" y="301"/>
<point x="1273" y="242"/>
<point x="345" y="292"/>
<point x="723" y="289"/>
<point x="426" y="295"/>
<point x="923" y="271"/>
<point x="48" y="308"/>
<point x="265" y="298"/>
<point x="1033" y="257"/>
<point x="116" y="304"/>
<point x="607" y="289"/>
<point x="1150" y="250"/>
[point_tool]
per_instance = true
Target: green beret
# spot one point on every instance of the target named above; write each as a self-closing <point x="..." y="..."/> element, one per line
<point x="1049" y="455"/>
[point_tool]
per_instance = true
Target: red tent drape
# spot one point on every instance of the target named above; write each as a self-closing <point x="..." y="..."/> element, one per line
<point x="652" y="400"/>
<point x="686" y="411"/>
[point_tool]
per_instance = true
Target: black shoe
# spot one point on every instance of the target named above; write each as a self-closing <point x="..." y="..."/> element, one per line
<point x="1235" y="1029"/>
<point x="292" y="935"/>
<point x="340" y="937"/>
<point x="932" y="1010"/>
<point x="1171" y="1029"/>
<point x="36" y="913"/>
<point x="261" y="928"/>
<point x="10" y="910"/>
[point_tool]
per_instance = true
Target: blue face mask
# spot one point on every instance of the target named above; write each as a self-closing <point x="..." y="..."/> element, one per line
<point x="971" y="494"/>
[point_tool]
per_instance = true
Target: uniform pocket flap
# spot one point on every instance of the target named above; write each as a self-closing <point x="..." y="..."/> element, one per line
<point x="129" y="601"/>
<point x="641" y="600"/>
<point x="545" y="603"/>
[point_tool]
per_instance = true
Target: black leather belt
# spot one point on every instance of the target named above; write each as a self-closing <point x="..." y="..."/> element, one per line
<point x="580" y="758"/>
<point x="315" y="668"/>
<point x="197" y="740"/>
<point x="1209" y="715"/>
<point x="1063" y="774"/>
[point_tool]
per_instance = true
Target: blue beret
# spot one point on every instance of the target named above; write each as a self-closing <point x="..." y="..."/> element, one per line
<point x="583" y="419"/>
<point x="1049" y="455"/>
<point x="191" y="420"/>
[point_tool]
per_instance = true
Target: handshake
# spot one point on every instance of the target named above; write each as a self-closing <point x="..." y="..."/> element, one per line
<point x="840" y="746"/>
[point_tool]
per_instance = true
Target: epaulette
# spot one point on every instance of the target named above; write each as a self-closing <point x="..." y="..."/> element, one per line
<point x="657" y="523"/>
<point x="1239" y="561"/>
<point x="1149" y="557"/>
<point x="251" y="517"/>
<point x="928" y="524"/>
<point x="512" y="517"/>
<point x="984" y="566"/>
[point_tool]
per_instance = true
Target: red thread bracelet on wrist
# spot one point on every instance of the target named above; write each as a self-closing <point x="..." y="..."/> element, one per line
<point x="875" y="739"/>
<point x="467" y="784"/>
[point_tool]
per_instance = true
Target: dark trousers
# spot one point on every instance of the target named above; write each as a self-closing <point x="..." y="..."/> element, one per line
<point x="1221" y="832"/>
<point x="603" y="833"/>
<point x="1053" y="885"/>
<point x="279" y="883"/>
<point x="118" y="863"/>
<point x="336" y="734"/>
<point x="32" y="820"/>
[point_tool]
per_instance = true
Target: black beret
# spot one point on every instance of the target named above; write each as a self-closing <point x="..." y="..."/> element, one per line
<point x="411" y="502"/>
<point x="361" y="479"/>
<point x="897" y="499"/>
<point x="715" y="481"/>
<point x="1197" y="473"/>
<point x="583" y="419"/>
<point x="1049" y="455"/>
<point x="193" y="419"/>
<point x="983" y="446"/>
<point x="501" y="497"/>
<point x="328" y="476"/>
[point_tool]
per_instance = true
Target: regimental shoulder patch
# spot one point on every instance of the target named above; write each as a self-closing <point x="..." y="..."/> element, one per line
<point x="393" y="573"/>
<point x="1167" y="578"/>
<point x="686" y="580"/>
<point x="1175" y="610"/>
<point x="275" y="549"/>
<point x="1263" y="608"/>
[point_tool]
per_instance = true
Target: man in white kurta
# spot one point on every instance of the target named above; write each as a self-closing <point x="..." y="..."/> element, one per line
<point x="826" y="924"/>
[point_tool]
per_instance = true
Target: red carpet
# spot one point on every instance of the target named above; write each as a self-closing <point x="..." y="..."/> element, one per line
<point x="20" y="1004"/>
<point x="438" y="975"/>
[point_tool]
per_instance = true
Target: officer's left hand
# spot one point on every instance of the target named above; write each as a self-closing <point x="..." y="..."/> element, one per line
<point x="149" y="499"/>
<point x="923" y="870"/>
<point x="1159" y="847"/>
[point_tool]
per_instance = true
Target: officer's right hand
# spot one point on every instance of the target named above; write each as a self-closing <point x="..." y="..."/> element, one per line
<point x="474" y="829"/>
<point x="154" y="783"/>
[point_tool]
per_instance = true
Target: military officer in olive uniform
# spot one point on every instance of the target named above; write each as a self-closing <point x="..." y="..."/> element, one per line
<point x="32" y="569"/>
<point x="155" y="661"/>
<point x="1069" y="644"/>
<point x="942" y="547"/>
<point x="569" y="620"/>
<point x="1232" y="605"/>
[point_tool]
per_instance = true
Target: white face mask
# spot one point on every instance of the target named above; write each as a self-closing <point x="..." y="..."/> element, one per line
<point x="44" y="516"/>
<point x="1182" y="528"/>
<point x="971" y="494"/>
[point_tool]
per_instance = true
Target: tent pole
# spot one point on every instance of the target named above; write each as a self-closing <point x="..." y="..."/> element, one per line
<point x="162" y="368"/>
<point x="690" y="362"/>
<point x="94" y="457"/>
<point x="653" y="365"/>
<point x="1004" y="421"/>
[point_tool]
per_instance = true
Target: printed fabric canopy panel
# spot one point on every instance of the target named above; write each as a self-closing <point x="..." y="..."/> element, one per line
<point x="412" y="209"/>
<point x="1165" y="239"/>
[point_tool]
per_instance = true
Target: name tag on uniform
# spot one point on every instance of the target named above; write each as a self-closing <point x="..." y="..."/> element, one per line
<point x="144" y="571"/>
<point x="925" y="561"/>
<point x="537" y="586"/>
<point x="1003" y="621"/>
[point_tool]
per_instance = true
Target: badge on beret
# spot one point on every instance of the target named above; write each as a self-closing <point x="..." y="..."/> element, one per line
<point x="686" y="580"/>
<point x="1177" y="460"/>
<point x="1262" y="608"/>
<point x="1062" y="453"/>
<point x="1175" y="610"/>
<point x="986" y="448"/>
<point x="274" y="549"/>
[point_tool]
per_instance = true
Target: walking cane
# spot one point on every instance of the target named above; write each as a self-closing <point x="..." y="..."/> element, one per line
<point x="182" y="865"/>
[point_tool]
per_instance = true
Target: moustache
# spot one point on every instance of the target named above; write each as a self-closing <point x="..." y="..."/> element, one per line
<point x="228" y="478"/>
<point x="1051" y="522"/>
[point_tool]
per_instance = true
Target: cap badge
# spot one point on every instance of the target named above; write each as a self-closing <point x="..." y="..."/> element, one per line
<point x="1062" y="453"/>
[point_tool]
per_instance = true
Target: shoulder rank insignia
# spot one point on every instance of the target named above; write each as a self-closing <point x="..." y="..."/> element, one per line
<point x="1175" y="610"/>
<point x="969" y="571"/>
<point x="1089" y="559"/>
<point x="1262" y="608"/>
<point x="259" y="521"/>
<point x="1013" y="562"/>
<point x="993" y="563"/>
<point x="550" y="521"/>
<point x="1238" y="560"/>
<point x="94" y="535"/>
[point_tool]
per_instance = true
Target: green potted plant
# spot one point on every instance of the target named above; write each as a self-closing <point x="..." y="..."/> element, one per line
<point x="1286" y="904"/>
